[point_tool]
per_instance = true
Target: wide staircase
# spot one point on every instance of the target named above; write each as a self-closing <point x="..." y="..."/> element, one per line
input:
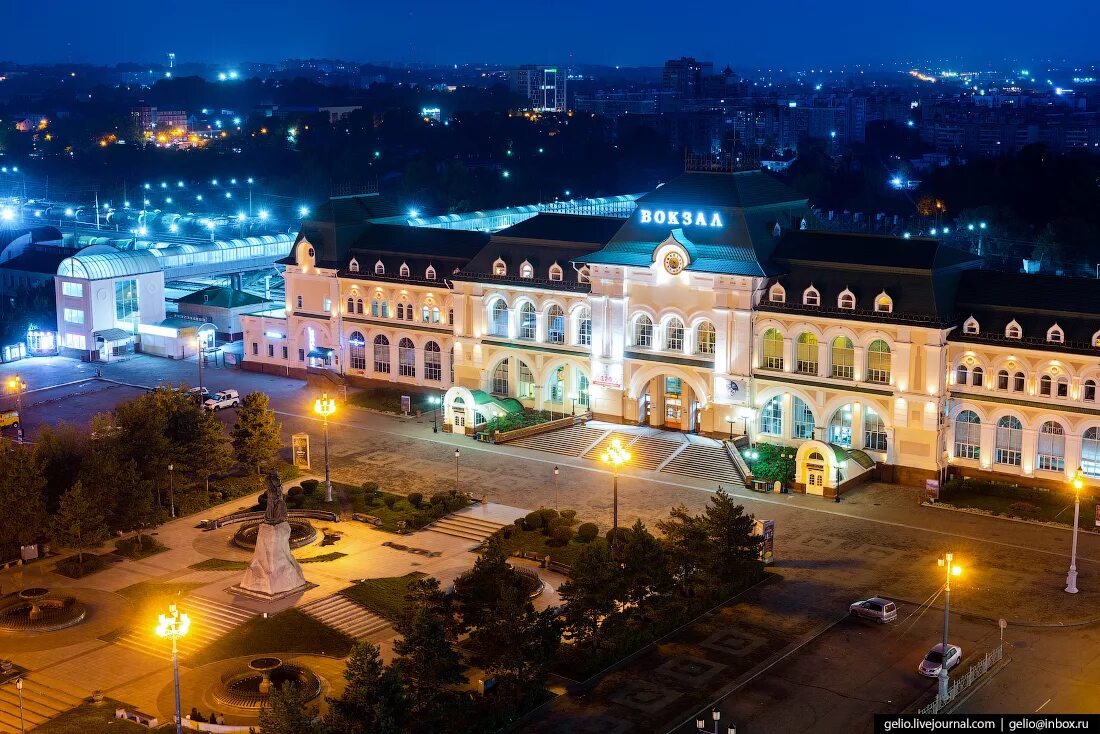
<point x="706" y="461"/>
<point x="465" y="526"/>
<point x="604" y="443"/>
<point x="209" y="621"/>
<point x="570" y="441"/>
<point x="43" y="699"/>
<point x="354" y="620"/>
<point x="649" y="452"/>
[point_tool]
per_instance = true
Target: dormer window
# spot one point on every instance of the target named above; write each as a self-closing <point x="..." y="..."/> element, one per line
<point x="526" y="270"/>
<point x="353" y="266"/>
<point x="584" y="275"/>
<point x="811" y="297"/>
<point x="777" y="294"/>
<point x="379" y="268"/>
<point x="1096" y="339"/>
<point x="846" y="300"/>
<point x="777" y="230"/>
<point x="403" y="271"/>
<point x="499" y="268"/>
<point x="884" y="303"/>
<point x="429" y="274"/>
<point x="803" y="224"/>
<point x="555" y="272"/>
<point x="1013" y="330"/>
<point x="1055" y="335"/>
<point x="971" y="326"/>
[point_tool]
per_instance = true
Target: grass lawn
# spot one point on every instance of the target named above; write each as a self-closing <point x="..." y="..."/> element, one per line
<point x="92" y="718"/>
<point x="132" y="549"/>
<point x="401" y="510"/>
<point x="289" y="631"/>
<point x="383" y="596"/>
<point x="73" y="569"/>
<point x="1056" y="508"/>
<point x="222" y="564"/>
<point x="388" y="400"/>
<point x="153" y="590"/>
<point x="533" y="541"/>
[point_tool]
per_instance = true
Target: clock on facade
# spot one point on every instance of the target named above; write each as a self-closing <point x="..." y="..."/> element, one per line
<point x="674" y="262"/>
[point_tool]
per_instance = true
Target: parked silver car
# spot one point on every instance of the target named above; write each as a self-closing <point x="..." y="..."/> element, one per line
<point x="876" y="608"/>
<point x="933" y="661"/>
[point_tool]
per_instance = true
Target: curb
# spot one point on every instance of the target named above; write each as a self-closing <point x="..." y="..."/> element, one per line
<point x="1011" y="622"/>
<point x="982" y="513"/>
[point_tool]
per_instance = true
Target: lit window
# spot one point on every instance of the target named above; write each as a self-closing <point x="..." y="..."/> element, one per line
<point x="584" y="327"/>
<point x="806" y="354"/>
<point x="772" y="351"/>
<point x="433" y="364"/>
<point x="777" y="294"/>
<point x="381" y="354"/>
<point x="555" y="272"/>
<point x="379" y="268"/>
<point x="1055" y="335"/>
<point x="878" y="362"/>
<point x="1013" y="330"/>
<point x="74" y="316"/>
<point x="406" y="358"/>
<point x="883" y="303"/>
<point x="704" y="338"/>
<point x="74" y="290"/>
<point x="847" y="300"/>
<point x="811" y="297"/>
<point x="968" y="435"/>
<point x="584" y="275"/>
<point x="526" y="270"/>
<point x="498" y="320"/>
<point x="1010" y="441"/>
<point x="643" y="332"/>
<point x="844" y="358"/>
<point x="555" y="325"/>
<point x="499" y="268"/>
<point x="527" y="321"/>
<point x="674" y="335"/>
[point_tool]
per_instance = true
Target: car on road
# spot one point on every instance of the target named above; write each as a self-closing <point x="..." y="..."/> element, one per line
<point x="9" y="419"/>
<point x="223" y="399"/>
<point x="933" y="661"/>
<point x="876" y="608"/>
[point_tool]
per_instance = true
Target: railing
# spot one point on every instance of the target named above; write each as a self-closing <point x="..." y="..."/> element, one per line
<point x="967" y="679"/>
<point x="738" y="462"/>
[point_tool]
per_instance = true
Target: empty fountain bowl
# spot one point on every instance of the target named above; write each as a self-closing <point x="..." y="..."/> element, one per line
<point x="251" y="688"/>
<point x="36" y="610"/>
<point x="302" y="533"/>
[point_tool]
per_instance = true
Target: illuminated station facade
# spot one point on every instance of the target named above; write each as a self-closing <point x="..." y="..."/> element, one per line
<point x="710" y="305"/>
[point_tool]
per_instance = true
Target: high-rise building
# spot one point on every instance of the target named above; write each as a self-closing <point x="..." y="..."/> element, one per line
<point x="683" y="77"/>
<point x="543" y="86"/>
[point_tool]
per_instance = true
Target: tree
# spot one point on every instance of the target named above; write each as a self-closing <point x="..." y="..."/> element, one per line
<point x="645" y="569"/>
<point x="79" y="522"/>
<point x="22" y="511"/>
<point x="591" y="593"/>
<point x="135" y="507"/>
<point x="478" y="590"/>
<point x="686" y="541"/>
<point x="208" y="450"/>
<point x="256" y="433"/>
<point x="60" y="451"/>
<point x="286" y="712"/>
<point x="733" y="549"/>
<point x="425" y="594"/>
<point x="515" y="643"/>
<point x="428" y="664"/>
<point x="373" y="701"/>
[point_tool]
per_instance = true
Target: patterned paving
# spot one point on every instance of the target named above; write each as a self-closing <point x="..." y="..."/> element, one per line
<point x="209" y="621"/>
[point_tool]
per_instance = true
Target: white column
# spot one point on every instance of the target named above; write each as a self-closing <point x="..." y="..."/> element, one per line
<point x="858" y="363"/>
<point x="788" y="354"/>
<point x="1029" y="452"/>
<point x="822" y="359"/>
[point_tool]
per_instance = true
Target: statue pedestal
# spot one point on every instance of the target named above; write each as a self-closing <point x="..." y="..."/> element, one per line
<point x="274" y="573"/>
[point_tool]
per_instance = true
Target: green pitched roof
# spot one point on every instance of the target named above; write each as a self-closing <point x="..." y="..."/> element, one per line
<point x="508" y="405"/>
<point x="221" y="297"/>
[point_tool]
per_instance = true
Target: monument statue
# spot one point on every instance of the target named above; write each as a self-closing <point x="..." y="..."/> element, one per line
<point x="273" y="572"/>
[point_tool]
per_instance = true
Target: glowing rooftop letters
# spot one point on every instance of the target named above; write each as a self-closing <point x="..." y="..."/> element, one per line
<point x="684" y="218"/>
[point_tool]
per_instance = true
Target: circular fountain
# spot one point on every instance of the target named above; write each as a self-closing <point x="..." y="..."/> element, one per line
<point x="302" y="533"/>
<point x="251" y="689"/>
<point x="36" y="610"/>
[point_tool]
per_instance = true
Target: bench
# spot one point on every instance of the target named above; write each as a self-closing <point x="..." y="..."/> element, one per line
<point x="559" y="568"/>
<point x="369" y="519"/>
<point x="137" y="717"/>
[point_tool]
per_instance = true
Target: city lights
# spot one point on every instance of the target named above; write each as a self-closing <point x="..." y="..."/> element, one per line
<point x="263" y="215"/>
<point x="303" y="211"/>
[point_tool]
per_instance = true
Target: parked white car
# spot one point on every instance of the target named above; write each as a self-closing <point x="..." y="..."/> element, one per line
<point x="876" y="608"/>
<point x="933" y="661"/>
<point x="223" y="399"/>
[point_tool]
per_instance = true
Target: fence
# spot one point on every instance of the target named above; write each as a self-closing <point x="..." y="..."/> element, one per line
<point x="961" y="683"/>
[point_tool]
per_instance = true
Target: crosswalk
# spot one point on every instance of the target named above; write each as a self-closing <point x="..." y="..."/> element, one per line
<point x="340" y="612"/>
<point x="43" y="699"/>
<point x="209" y="621"/>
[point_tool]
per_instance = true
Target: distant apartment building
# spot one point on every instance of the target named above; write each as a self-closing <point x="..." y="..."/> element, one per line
<point x="151" y="119"/>
<point x="683" y="78"/>
<point x="543" y="86"/>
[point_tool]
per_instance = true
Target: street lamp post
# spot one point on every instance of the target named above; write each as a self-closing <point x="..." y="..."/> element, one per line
<point x="556" y="499"/>
<point x="616" y="456"/>
<point x="730" y="419"/>
<point x="198" y="358"/>
<point x="174" y="626"/>
<point x="1071" y="577"/>
<point x="947" y="563"/>
<point x="715" y="716"/>
<point x="456" y="470"/>
<point x="18" y="385"/>
<point x="325" y="406"/>
<point x="171" y="491"/>
<point x="436" y="403"/>
<point x="22" y="722"/>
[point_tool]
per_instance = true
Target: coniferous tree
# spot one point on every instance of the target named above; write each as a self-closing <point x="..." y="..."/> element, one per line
<point x="79" y="522"/>
<point x="590" y="594"/>
<point x="429" y="666"/>
<point x="256" y="433"/>
<point x="23" y="515"/>
<point x="287" y="713"/>
<point x="373" y="701"/>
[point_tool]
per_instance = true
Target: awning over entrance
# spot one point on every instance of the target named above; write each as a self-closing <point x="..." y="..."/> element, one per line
<point x="320" y="353"/>
<point x="112" y="336"/>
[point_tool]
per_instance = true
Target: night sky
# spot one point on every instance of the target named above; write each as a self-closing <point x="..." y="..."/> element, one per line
<point x="643" y="32"/>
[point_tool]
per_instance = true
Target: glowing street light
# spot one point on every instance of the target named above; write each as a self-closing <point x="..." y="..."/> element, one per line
<point x="263" y="215"/>
<point x="173" y="228"/>
<point x="16" y="384"/>
<point x="414" y="212"/>
<point x="616" y="456"/>
<point x="303" y="211"/>
<point x="325" y="406"/>
<point x="946" y="563"/>
<point x="1071" y="578"/>
<point x="174" y="625"/>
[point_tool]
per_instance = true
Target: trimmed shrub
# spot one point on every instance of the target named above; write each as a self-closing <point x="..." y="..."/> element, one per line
<point x="415" y="498"/>
<point x="561" y="534"/>
<point x="1023" y="507"/>
<point x="262" y="501"/>
<point x="371" y="493"/>
<point x="295" y="492"/>
<point x="623" y="534"/>
<point x="390" y="501"/>
<point x="440" y="498"/>
<point x="507" y="531"/>
<point x="309" y="486"/>
<point x="587" y="532"/>
<point x="534" y="520"/>
<point x="520" y="523"/>
<point x="570" y="515"/>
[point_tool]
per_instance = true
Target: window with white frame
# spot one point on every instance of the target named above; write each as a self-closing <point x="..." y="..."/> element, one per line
<point x="962" y="375"/>
<point x="382" y="354"/>
<point x="429" y="274"/>
<point x="843" y="358"/>
<point x="73" y="316"/>
<point x="971" y="326"/>
<point x="840" y="427"/>
<point x="884" y="303"/>
<point x="874" y="430"/>
<point x="555" y="325"/>
<point x="499" y="268"/>
<point x="878" y="362"/>
<point x="379" y="268"/>
<point x="1055" y="335"/>
<point x="1013" y="330"/>
<point x="584" y="327"/>
<point x="584" y="275"/>
<point x="526" y="270"/>
<point x="555" y="272"/>
<point x="674" y="335"/>
<point x="846" y="300"/>
<point x="499" y="385"/>
<point x="1089" y="391"/>
<point x="527" y="321"/>
<point x="406" y="358"/>
<point x="771" y="417"/>
<point x="777" y="293"/>
<point x="498" y="320"/>
<point x="403" y="271"/>
<point x="353" y="266"/>
<point x="803" y="425"/>
<point x="1002" y="380"/>
<point x="73" y="290"/>
<point x="357" y="350"/>
<point x="811" y="297"/>
<point x="433" y="363"/>
<point x="772" y="350"/>
<point x="705" y="337"/>
<point x="1019" y="382"/>
<point x="1010" y="441"/>
<point x="977" y="377"/>
<point x="1090" y="452"/>
<point x="805" y="360"/>
<point x="1061" y="387"/>
<point x="525" y="389"/>
<point x="643" y="332"/>
<point x="1052" y="447"/>
<point x="968" y="435"/>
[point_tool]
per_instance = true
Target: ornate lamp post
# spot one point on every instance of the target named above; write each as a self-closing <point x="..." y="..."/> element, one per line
<point x="947" y="563"/>
<point x="1071" y="577"/>
<point x="325" y="406"/>
<point x="22" y="722"/>
<point x="171" y="491"/>
<point x="616" y="456"/>
<point x="174" y="626"/>
<point x="456" y="470"/>
<point x="716" y="716"/>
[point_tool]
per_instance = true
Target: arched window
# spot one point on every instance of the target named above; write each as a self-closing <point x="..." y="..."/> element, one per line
<point x="498" y="323"/>
<point x="643" y="332"/>
<point x="527" y="321"/>
<point x="381" y="354"/>
<point x="425" y="314"/>
<point x="403" y="271"/>
<point x="1010" y="441"/>
<point x="844" y="358"/>
<point x="353" y="266"/>
<point x="385" y="309"/>
<point x="961" y="375"/>
<point x="555" y="272"/>
<point x="406" y="358"/>
<point x="705" y="338"/>
<point x="771" y="417"/>
<point x="584" y="275"/>
<point x="772" y="351"/>
<point x="811" y="297"/>
<point x="971" y="326"/>
<point x="1002" y="380"/>
<point x="674" y="335"/>
<point x="435" y="314"/>
<point x="1018" y="382"/>
<point x="433" y="362"/>
<point x="1061" y="387"/>
<point x="1055" y="335"/>
<point x="846" y="300"/>
<point x="840" y="427"/>
<point x="1013" y="330"/>
<point x="1089" y="393"/>
<point x="499" y="384"/>
<point x="1052" y="447"/>
<point x="582" y="388"/>
<point x="1090" y="452"/>
<point x="584" y="327"/>
<point x="968" y="435"/>
<point x="451" y="363"/>
<point x="878" y="362"/>
<point x="884" y="303"/>
<point x="777" y="293"/>
<point x="526" y="270"/>
<point x="429" y="274"/>
<point x="977" y="377"/>
<point x="555" y="387"/>
<point x="874" y="430"/>
<point x="379" y="268"/>
<point x="803" y="427"/>
<point x="351" y="305"/>
<point x="450" y="317"/>
<point x="401" y="310"/>
<point x="359" y="306"/>
<point x="555" y="325"/>
<point x="499" y="268"/>
<point x="806" y="357"/>
<point x="357" y="351"/>
<point x="525" y="390"/>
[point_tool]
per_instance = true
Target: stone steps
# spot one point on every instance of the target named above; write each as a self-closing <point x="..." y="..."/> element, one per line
<point x="42" y="700"/>
<point x="649" y="452"/>
<point x="711" y="463"/>
<point x="340" y="612"/>
<point x="570" y="441"/>
<point x="596" y="451"/>
<point x="209" y="621"/>
<point x="465" y="526"/>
